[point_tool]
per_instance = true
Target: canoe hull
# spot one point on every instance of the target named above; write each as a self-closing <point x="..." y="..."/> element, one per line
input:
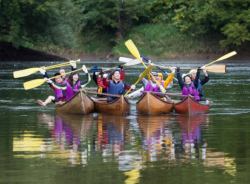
<point x="150" y="104"/>
<point x="189" y="106"/>
<point x="79" y="104"/>
<point x="120" y="106"/>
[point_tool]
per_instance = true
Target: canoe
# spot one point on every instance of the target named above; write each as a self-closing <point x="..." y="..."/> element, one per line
<point x="78" y="104"/>
<point x="151" y="104"/>
<point x="189" y="106"/>
<point x="119" y="106"/>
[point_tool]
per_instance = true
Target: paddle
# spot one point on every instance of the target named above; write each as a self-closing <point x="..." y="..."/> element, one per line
<point x="216" y="68"/>
<point x="164" y="94"/>
<point x="230" y="54"/>
<point x="29" y="71"/>
<point x="221" y="68"/>
<point x="160" y="67"/>
<point x="134" y="51"/>
<point x="38" y="82"/>
<point x="131" y="63"/>
<point x="104" y="94"/>
<point x="142" y="75"/>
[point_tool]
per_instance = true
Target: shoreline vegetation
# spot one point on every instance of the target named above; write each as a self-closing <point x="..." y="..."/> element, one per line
<point x="97" y="29"/>
<point x="9" y="53"/>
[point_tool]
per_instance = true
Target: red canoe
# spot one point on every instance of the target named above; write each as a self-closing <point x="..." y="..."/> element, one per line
<point x="189" y="106"/>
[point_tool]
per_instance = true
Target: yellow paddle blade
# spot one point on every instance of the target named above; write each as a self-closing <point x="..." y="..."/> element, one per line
<point x="132" y="49"/>
<point x="144" y="73"/>
<point x="33" y="83"/>
<point x="216" y="68"/>
<point x="25" y="72"/>
<point x="230" y="54"/>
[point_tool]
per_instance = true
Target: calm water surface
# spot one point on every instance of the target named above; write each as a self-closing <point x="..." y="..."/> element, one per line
<point x="39" y="146"/>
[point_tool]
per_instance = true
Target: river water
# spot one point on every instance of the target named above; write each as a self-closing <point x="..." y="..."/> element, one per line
<point x="39" y="146"/>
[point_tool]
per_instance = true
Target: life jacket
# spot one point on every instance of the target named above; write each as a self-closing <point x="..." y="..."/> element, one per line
<point x="156" y="88"/>
<point x="60" y="94"/>
<point x="72" y="90"/>
<point x="149" y="86"/>
<point x="191" y="90"/>
<point x="116" y="88"/>
<point x="102" y="84"/>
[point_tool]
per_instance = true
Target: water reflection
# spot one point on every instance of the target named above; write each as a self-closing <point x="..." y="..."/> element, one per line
<point x="67" y="135"/>
<point x="193" y="146"/>
<point x="81" y="140"/>
<point x="157" y="138"/>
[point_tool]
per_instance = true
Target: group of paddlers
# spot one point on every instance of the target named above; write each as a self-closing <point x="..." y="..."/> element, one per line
<point x="112" y="83"/>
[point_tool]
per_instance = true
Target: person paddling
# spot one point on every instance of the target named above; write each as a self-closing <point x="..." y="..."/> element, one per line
<point x="64" y="90"/>
<point x="198" y="83"/>
<point x="116" y="86"/>
<point x="187" y="86"/>
<point x="151" y="86"/>
<point x="74" y="84"/>
<point x="59" y="86"/>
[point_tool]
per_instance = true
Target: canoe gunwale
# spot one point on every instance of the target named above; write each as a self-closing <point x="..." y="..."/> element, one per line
<point x="154" y="95"/>
<point x="151" y="104"/>
<point x="109" y="108"/>
<point x="84" y="109"/>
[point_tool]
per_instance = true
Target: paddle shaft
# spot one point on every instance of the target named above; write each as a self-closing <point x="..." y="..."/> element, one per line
<point x="143" y="74"/>
<point x="104" y="94"/>
<point x="38" y="82"/>
<point x="168" y="94"/>
<point x="134" y="51"/>
<point x="222" y="58"/>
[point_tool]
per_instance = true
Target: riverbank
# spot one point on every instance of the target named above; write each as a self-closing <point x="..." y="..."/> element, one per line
<point x="9" y="53"/>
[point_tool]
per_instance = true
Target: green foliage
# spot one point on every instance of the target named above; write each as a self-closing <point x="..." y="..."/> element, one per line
<point x="32" y="22"/>
<point x="230" y="18"/>
<point x="105" y="22"/>
<point x="165" y="40"/>
<point x="99" y="25"/>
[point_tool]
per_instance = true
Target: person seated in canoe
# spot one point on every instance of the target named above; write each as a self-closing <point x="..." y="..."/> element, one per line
<point x="102" y="80"/>
<point x="187" y="86"/>
<point x="59" y="86"/>
<point x="64" y="77"/>
<point x="116" y="86"/>
<point x="63" y="89"/>
<point x="74" y="84"/>
<point x="63" y="72"/>
<point x="198" y="83"/>
<point x="151" y="86"/>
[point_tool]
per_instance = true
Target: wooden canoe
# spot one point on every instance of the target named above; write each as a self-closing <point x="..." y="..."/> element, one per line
<point x="151" y="104"/>
<point x="189" y="106"/>
<point x="78" y="104"/>
<point x="120" y="106"/>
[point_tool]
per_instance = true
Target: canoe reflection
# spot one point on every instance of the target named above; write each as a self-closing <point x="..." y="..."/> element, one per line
<point x="67" y="132"/>
<point x="157" y="137"/>
<point x="111" y="131"/>
<point x="192" y="143"/>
